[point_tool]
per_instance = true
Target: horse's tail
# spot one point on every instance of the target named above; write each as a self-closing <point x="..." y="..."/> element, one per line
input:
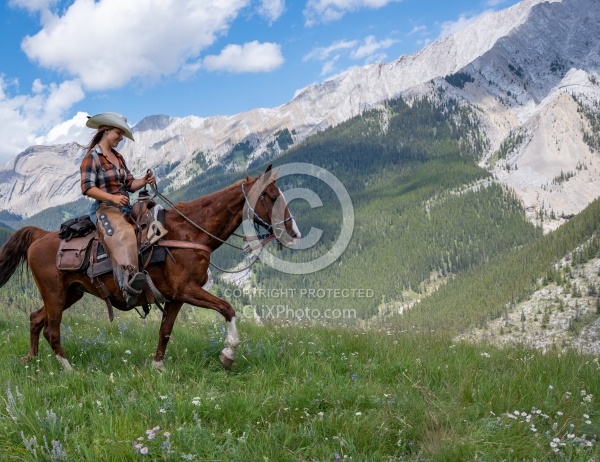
<point x="14" y="251"/>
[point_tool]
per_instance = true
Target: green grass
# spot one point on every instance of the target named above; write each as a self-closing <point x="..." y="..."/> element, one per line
<point x="297" y="393"/>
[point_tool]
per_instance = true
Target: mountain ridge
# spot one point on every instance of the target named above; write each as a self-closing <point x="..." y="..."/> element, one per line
<point x="510" y="91"/>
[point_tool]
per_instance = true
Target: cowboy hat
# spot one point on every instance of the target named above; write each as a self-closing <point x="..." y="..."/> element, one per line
<point x="112" y="119"/>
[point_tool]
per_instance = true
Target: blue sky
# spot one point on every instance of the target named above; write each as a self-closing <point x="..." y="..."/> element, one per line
<point x="61" y="59"/>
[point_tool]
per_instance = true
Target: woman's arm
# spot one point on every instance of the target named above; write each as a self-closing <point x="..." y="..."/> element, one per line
<point x="139" y="183"/>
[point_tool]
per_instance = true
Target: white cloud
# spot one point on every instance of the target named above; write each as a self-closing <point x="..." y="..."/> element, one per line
<point x="249" y="57"/>
<point x="323" y="53"/>
<point x="109" y="43"/>
<point x="323" y="11"/>
<point x="271" y="10"/>
<point x="450" y="27"/>
<point x="23" y="116"/>
<point x="369" y="50"/>
<point x="417" y="30"/>
<point x="68" y="132"/>
<point x="494" y="3"/>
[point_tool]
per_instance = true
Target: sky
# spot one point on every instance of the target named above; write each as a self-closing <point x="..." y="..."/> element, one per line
<point x="63" y="60"/>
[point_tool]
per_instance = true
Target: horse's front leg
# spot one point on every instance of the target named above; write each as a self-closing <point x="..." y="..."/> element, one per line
<point x="227" y="356"/>
<point x="195" y="295"/>
<point x="164" y="334"/>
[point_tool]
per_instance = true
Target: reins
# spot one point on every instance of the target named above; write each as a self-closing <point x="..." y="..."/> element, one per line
<point x="263" y="238"/>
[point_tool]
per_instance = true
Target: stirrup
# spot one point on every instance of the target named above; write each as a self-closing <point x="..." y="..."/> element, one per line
<point x="133" y="289"/>
<point x="135" y="284"/>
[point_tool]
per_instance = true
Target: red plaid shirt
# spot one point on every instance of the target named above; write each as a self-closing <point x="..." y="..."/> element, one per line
<point x="97" y="170"/>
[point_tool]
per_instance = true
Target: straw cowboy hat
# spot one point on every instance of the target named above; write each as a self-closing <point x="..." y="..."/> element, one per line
<point x="112" y="119"/>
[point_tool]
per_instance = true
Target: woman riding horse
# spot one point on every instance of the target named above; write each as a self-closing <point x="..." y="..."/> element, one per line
<point x="196" y="228"/>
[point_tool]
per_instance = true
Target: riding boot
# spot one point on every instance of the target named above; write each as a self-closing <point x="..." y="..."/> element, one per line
<point x="118" y="237"/>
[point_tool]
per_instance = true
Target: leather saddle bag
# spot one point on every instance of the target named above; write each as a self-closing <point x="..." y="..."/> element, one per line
<point x="73" y="255"/>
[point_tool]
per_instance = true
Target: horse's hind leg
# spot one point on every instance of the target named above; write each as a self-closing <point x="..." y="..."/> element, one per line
<point x="53" y="309"/>
<point x="37" y="319"/>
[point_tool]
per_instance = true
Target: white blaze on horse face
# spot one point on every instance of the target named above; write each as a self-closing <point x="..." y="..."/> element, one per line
<point x="280" y="212"/>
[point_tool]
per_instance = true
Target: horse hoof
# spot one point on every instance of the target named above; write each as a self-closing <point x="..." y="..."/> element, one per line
<point x="159" y="365"/>
<point x="27" y="358"/>
<point x="226" y="362"/>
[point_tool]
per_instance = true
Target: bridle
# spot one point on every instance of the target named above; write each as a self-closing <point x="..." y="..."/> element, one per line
<point x="274" y="230"/>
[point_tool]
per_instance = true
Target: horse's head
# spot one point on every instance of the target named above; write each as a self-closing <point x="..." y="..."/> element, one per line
<point x="267" y="207"/>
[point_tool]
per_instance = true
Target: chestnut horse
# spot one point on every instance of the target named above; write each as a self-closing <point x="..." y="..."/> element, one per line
<point x="209" y="220"/>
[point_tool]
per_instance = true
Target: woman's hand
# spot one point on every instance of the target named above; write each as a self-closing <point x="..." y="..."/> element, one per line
<point x="150" y="179"/>
<point x="120" y="200"/>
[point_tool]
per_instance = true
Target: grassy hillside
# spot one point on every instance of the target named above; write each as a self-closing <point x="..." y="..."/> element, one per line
<point x="296" y="394"/>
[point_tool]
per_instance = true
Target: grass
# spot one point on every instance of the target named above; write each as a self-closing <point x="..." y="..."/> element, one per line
<point x="297" y="393"/>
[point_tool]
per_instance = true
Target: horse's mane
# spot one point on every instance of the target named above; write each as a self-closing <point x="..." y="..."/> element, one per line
<point x="203" y="201"/>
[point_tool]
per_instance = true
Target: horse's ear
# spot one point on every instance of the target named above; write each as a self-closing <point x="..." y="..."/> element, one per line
<point x="269" y="175"/>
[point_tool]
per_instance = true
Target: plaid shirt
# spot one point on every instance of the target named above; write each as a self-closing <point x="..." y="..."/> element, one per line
<point x="97" y="170"/>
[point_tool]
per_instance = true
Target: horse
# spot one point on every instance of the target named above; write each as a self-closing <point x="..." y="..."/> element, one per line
<point x="204" y="223"/>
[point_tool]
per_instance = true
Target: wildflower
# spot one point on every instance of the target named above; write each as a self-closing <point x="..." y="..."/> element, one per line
<point x="144" y="450"/>
<point x="162" y="411"/>
<point x="127" y="352"/>
<point x="196" y="401"/>
<point x="167" y="434"/>
<point x="354" y="377"/>
<point x="583" y="393"/>
<point x="550" y="387"/>
<point x="337" y="456"/>
<point x="358" y="413"/>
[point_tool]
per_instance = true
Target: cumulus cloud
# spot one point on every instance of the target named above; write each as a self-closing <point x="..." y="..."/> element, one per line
<point x="109" y="43"/>
<point x="23" y="116"/>
<point x="271" y="10"/>
<point x="323" y="11"/>
<point x="249" y="57"/>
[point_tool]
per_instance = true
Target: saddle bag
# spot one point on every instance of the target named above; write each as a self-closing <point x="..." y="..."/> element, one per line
<point x="73" y="255"/>
<point x="76" y="227"/>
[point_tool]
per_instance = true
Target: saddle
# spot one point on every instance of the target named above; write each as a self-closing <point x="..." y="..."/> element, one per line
<point x="81" y="251"/>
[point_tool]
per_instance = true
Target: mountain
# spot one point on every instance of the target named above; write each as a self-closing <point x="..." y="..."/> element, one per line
<point x="531" y="73"/>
